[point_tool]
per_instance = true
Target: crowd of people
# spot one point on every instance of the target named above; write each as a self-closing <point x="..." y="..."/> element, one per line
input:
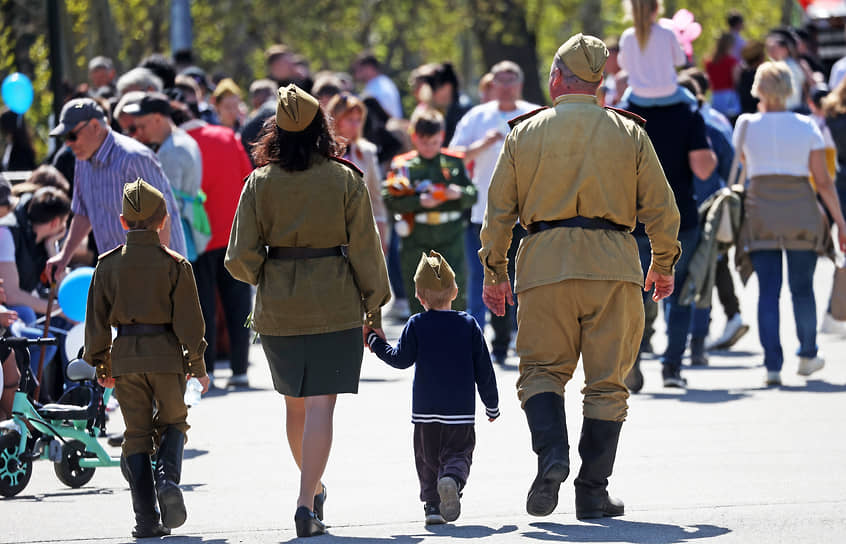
<point x="749" y="144"/>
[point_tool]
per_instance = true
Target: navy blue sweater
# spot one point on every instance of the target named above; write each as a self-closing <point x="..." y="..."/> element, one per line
<point x="451" y="359"/>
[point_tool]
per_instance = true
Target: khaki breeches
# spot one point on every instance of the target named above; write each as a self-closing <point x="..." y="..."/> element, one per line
<point x="600" y="320"/>
<point x="144" y="423"/>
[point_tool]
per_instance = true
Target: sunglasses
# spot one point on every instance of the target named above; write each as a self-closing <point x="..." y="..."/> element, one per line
<point x="72" y="135"/>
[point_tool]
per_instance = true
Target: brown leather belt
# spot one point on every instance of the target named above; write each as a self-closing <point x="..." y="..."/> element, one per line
<point x="594" y="223"/>
<point x="288" y="253"/>
<point x="140" y="329"/>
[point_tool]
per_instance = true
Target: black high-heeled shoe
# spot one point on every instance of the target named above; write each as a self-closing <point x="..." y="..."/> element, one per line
<point x="307" y="523"/>
<point x="319" y="499"/>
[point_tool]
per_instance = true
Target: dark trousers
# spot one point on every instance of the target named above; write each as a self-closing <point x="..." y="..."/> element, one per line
<point x="725" y="287"/>
<point x="213" y="278"/>
<point x="504" y="326"/>
<point x="442" y="450"/>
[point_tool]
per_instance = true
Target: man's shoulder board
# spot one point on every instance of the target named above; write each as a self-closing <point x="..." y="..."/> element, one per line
<point x="114" y="251"/>
<point x="452" y="153"/>
<point x="633" y="116"/>
<point x="520" y="118"/>
<point x="400" y="160"/>
<point x="349" y="165"/>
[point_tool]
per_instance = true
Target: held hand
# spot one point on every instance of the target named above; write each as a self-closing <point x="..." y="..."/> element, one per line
<point x="663" y="284"/>
<point x="428" y="201"/>
<point x="496" y="296"/>
<point x="56" y="266"/>
<point x="205" y="381"/>
<point x="8" y="317"/>
<point x="108" y="383"/>
<point x="453" y="192"/>
<point x="492" y="136"/>
<point x="841" y="239"/>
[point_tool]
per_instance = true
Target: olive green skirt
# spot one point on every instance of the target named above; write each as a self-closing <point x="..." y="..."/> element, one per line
<point x="315" y="364"/>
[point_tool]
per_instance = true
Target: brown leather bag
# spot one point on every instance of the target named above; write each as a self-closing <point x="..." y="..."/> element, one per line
<point x="838" y="294"/>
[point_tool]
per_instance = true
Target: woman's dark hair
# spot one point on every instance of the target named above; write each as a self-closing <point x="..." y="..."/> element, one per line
<point x="47" y="204"/>
<point x="43" y="176"/>
<point x="293" y="151"/>
<point x="15" y="126"/>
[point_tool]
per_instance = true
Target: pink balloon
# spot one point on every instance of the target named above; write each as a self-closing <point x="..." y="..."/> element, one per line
<point x="683" y="17"/>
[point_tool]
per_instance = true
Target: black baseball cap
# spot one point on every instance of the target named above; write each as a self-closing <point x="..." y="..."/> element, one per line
<point x="151" y="103"/>
<point x="76" y="111"/>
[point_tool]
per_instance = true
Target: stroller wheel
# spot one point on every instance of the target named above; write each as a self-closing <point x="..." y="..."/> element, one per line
<point x="68" y="470"/>
<point x="14" y="471"/>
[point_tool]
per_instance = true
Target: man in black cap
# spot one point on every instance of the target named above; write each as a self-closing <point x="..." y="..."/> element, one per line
<point x="105" y="161"/>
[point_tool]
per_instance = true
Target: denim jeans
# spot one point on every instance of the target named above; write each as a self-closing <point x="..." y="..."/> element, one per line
<point x="678" y="316"/>
<point x="800" y="278"/>
<point x="475" y="274"/>
<point x="394" y="271"/>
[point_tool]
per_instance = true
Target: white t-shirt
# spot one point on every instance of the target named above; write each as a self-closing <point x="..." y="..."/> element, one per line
<point x="7" y="246"/>
<point x="472" y="127"/>
<point x="777" y="143"/>
<point x="652" y="71"/>
<point x="385" y="92"/>
<point x="838" y="72"/>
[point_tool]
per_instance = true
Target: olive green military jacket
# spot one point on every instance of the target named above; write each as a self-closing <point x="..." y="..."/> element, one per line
<point x="445" y="169"/>
<point x="578" y="159"/>
<point x="325" y="206"/>
<point x="144" y="283"/>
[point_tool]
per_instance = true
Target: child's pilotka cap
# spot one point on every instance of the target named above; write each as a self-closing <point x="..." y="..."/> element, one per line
<point x="140" y="200"/>
<point x="295" y="108"/>
<point x="434" y="273"/>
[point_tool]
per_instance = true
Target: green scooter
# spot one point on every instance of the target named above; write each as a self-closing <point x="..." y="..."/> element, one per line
<point x="65" y="432"/>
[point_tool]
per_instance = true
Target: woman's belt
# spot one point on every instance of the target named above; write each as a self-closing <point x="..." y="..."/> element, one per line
<point x="140" y="329"/>
<point x="594" y="223"/>
<point x="437" y="218"/>
<point x="290" y="253"/>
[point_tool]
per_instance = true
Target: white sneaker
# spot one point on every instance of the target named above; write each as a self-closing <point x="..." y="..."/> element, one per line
<point x="399" y="310"/>
<point x="809" y="365"/>
<point x="734" y="331"/>
<point x="830" y="325"/>
<point x="773" y="377"/>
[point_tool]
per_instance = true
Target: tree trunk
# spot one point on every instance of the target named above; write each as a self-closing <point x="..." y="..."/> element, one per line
<point x="106" y="37"/>
<point x="787" y="12"/>
<point x="591" y="15"/>
<point x="503" y="32"/>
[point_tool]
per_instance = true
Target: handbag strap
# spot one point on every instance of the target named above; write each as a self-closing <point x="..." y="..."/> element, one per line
<point x="736" y="166"/>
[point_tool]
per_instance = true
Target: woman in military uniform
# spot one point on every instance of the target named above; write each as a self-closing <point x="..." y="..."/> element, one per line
<point x="304" y="234"/>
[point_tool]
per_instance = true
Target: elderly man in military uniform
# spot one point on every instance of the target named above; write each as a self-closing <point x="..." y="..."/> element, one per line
<point x="579" y="177"/>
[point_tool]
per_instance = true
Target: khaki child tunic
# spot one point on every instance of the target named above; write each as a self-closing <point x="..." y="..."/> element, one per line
<point x="578" y="289"/>
<point x="145" y="283"/>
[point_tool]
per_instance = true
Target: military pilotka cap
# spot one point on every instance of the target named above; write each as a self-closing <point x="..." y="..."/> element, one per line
<point x="75" y="112"/>
<point x="295" y="108"/>
<point x="140" y="200"/>
<point x="585" y="56"/>
<point x="434" y="273"/>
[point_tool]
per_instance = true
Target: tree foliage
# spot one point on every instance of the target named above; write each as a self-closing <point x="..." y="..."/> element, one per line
<point x="230" y="36"/>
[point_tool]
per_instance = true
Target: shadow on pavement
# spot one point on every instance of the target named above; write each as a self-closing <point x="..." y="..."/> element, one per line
<point x="617" y="530"/>
<point x="815" y="386"/>
<point x="192" y="453"/>
<point x="42" y="497"/>
<point x="378" y="380"/>
<point x="469" y="531"/>
<point x="735" y="353"/>
<point x="328" y="537"/>
<point x="178" y="539"/>
<point x="701" y="396"/>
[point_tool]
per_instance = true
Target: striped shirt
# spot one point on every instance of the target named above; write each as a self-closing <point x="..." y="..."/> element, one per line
<point x="98" y="189"/>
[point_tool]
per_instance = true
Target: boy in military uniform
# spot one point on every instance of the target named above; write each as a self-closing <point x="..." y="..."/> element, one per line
<point x="430" y="188"/>
<point x="148" y="293"/>
<point x="451" y="360"/>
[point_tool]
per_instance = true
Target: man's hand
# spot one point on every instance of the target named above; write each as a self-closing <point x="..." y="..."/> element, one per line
<point x="8" y="317"/>
<point x="495" y="297"/>
<point x="663" y="284"/>
<point x="56" y="266"/>
<point x="108" y="383"/>
<point x="205" y="381"/>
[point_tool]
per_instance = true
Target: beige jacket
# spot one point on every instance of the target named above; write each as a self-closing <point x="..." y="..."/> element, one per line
<point x="578" y="159"/>
<point x="364" y="155"/>
<point x="325" y="206"/>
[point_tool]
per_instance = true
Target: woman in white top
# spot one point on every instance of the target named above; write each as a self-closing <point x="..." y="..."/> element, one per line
<point x="348" y="114"/>
<point x="780" y="149"/>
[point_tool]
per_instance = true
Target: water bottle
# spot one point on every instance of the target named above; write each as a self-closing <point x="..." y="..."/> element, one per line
<point x="193" y="392"/>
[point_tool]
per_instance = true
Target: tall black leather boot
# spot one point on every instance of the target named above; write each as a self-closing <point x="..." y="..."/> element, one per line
<point x="139" y="469"/>
<point x="168" y="474"/>
<point x="598" y="449"/>
<point x="545" y="415"/>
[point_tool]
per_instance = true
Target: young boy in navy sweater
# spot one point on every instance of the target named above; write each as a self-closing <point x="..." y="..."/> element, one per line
<point x="451" y="359"/>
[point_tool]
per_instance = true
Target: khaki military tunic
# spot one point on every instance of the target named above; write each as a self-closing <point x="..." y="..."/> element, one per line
<point x="147" y="284"/>
<point x="578" y="159"/>
<point x="325" y="206"/>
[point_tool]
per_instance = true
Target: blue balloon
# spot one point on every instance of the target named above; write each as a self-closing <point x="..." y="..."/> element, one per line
<point x="17" y="92"/>
<point x="73" y="292"/>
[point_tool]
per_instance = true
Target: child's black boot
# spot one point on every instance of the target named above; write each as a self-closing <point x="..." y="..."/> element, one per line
<point x="139" y="469"/>
<point x="548" y="427"/>
<point x="168" y="474"/>
<point x="598" y="449"/>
